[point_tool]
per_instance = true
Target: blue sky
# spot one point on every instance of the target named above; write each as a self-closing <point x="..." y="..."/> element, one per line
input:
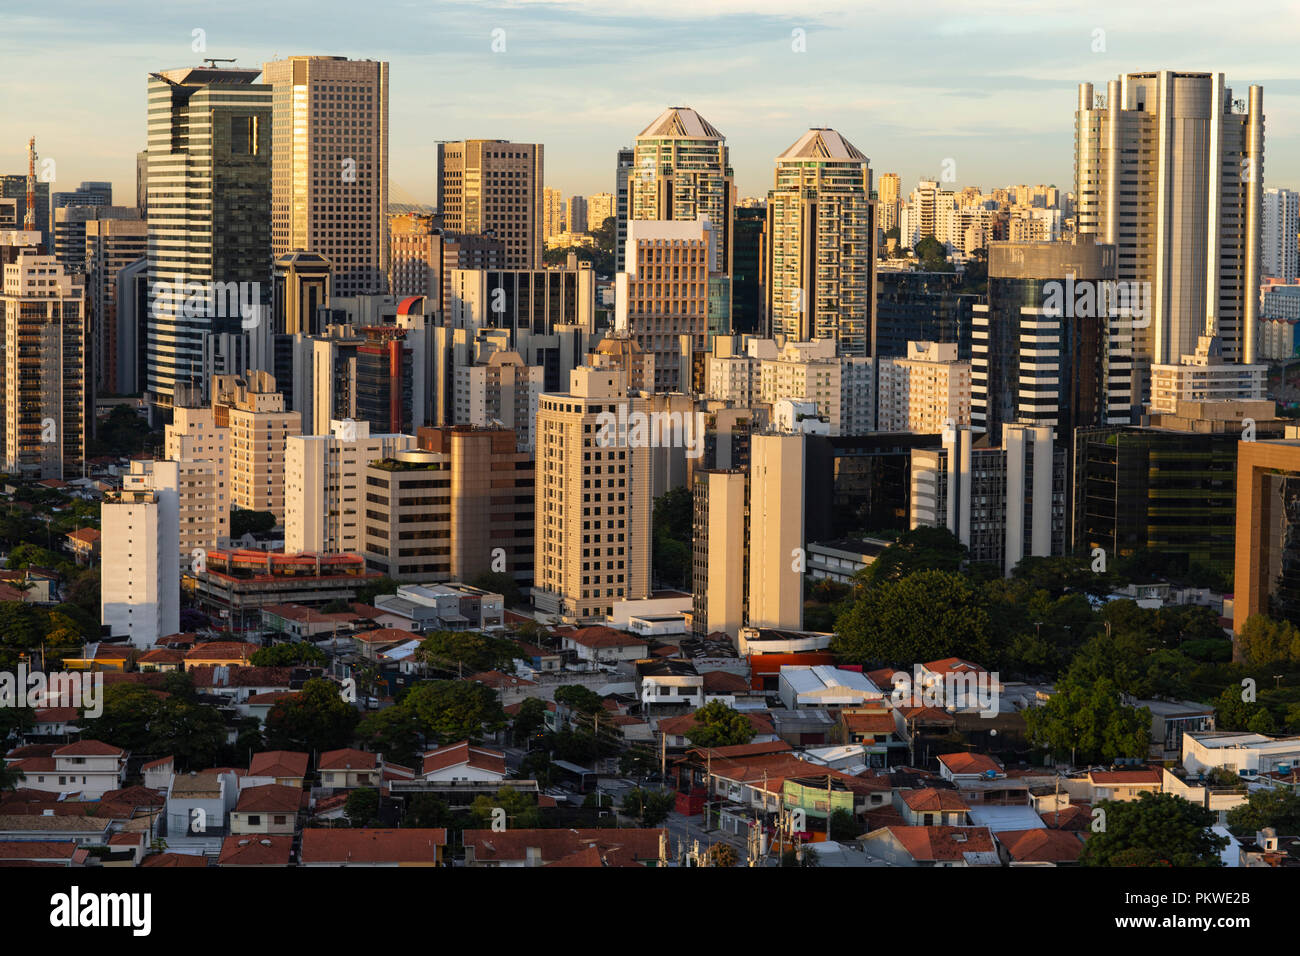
<point x="990" y="85"/>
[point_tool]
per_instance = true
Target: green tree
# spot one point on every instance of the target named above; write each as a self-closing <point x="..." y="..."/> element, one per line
<point x="844" y="826"/>
<point x="448" y="711"/>
<point x="671" y="562"/>
<point x="289" y="654"/>
<point x="717" y="725"/>
<point x="1277" y="808"/>
<point x="11" y="778"/>
<point x="393" y="732"/>
<point x="932" y="254"/>
<point x="579" y="698"/>
<point x="244" y="521"/>
<point x="919" y="549"/>
<point x="469" y="650"/>
<point x="1231" y="712"/>
<point x="425" y="811"/>
<point x="1090" y="722"/>
<point x="924" y="616"/>
<point x="362" y="807"/>
<point x="315" y="719"/>
<point x="1157" y="829"/>
<point x="721" y="854"/>
<point x="521" y="809"/>
<point x="500" y="582"/>
<point x="530" y="720"/>
<point x="1265" y="641"/>
<point x="650" y="807"/>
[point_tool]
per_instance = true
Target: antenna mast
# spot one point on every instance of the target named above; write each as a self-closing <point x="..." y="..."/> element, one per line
<point x="29" y="218"/>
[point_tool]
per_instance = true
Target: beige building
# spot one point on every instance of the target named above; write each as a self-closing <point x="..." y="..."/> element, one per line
<point x="553" y="221"/>
<point x="599" y="208"/>
<point x="325" y="478"/>
<point x="593" y="501"/>
<point x="887" y="195"/>
<point x="502" y="390"/>
<point x="43" y="368"/>
<point x="329" y="165"/>
<point x="924" y="393"/>
<point x="1169" y="167"/>
<point x="202" y="452"/>
<point x="821" y="252"/>
<point x="422" y="255"/>
<point x="1205" y="375"/>
<point x="492" y="185"/>
<point x="682" y="171"/>
<point x="111" y="246"/>
<point x="664" y="294"/>
<point x="720" y="552"/>
<point x="776" y="531"/>
<point x="457" y="507"/>
<point x="808" y="371"/>
<point x="259" y="426"/>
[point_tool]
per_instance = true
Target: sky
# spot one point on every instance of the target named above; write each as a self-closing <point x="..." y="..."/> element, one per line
<point x="987" y="87"/>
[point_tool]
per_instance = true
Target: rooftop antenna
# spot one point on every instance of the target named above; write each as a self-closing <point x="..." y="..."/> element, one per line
<point x="29" y="216"/>
<point x="213" y="61"/>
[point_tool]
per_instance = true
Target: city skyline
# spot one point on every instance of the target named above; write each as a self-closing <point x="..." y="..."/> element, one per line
<point x="736" y="63"/>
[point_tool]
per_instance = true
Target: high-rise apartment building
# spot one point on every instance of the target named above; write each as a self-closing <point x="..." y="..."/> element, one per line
<point x="600" y="207"/>
<point x="821" y="244"/>
<point x="71" y="224"/>
<point x="423" y="255"/>
<point x="623" y="164"/>
<point x="1279" y="255"/>
<point x="502" y="390"/>
<point x="42" y="368"/>
<point x="682" y="171"/>
<point x="494" y="186"/>
<point x="1204" y="375"/>
<point x="253" y="409"/>
<point x="1169" y="168"/>
<point x="524" y="300"/>
<point x="329" y="165"/>
<point x="111" y="246"/>
<point x="663" y="297"/>
<point x="887" y="195"/>
<point x="553" y="221"/>
<point x="325" y="481"/>
<point x="458" y="506"/>
<point x="201" y="451"/>
<point x="593" y="500"/>
<point x="575" y="214"/>
<point x="776" y="531"/>
<point x="719" y="565"/>
<point x="209" y="215"/>
<point x="141" y="573"/>
<point x="924" y="393"/>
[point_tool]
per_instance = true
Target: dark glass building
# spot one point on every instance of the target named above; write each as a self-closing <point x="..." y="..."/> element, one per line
<point x="921" y="307"/>
<point x="747" y="281"/>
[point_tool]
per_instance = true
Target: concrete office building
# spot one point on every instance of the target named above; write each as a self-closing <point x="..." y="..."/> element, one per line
<point x="1267" y="555"/>
<point x="1279" y="256"/>
<point x="42" y="367"/>
<point x="523" y="300"/>
<point x="201" y="451"/>
<point x="719" y="565"/>
<point x="209" y="214"/>
<point x="1169" y="168"/>
<point x="553" y="221"/>
<point x="502" y="390"/>
<point x="325" y="485"/>
<point x="1205" y="375"/>
<point x="1003" y="502"/>
<point x="131" y="300"/>
<point x="575" y="214"/>
<point x="329" y="165"/>
<point x="111" y="246"/>
<point x="1279" y="316"/>
<point x="663" y="297"/>
<point x="593" y="500"/>
<point x="776" y="531"/>
<point x="423" y="256"/>
<point x="822" y="243"/>
<point x="458" y="506"/>
<point x="71" y="224"/>
<point x="140" y="576"/>
<point x="922" y="307"/>
<point x="494" y="186"/>
<point x="1052" y="345"/>
<point x="682" y="171"/>
<point x="302" y="286"/>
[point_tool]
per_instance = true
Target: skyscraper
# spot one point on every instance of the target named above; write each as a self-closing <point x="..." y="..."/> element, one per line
<point x="822" y="236"/>
<point x="140" y="589"/>
<point x="209" y="214"/>
<point x="1280" y="243"/>
<point x="493" y="185"/>
<point x="683" y="171"/>
<point x="576" y="215"/>
<point x="599" y="208"/>
<point x="552" y="212"/>
<point x="329" y="165"/>
<point x="1169" y="168"/>
<point x="111" y="245"/>
<point x="887" y="201"/>
<point x="622" y="201"/>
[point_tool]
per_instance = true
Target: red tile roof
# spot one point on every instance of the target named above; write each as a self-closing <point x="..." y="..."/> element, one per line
<point x="932" y="801"/>
<point x="555" y="845"/>
<point x="372" y="845"/>
<point x="55" y="715"/>
<point x="964" y="763"/>
<point x="1125" y="778"/>
<point x="385" y="635"/>
<point x="42" y="850"/>
<point x="175" y="859"/>
<point x="154" y="764"/>
<point x="278" y="763"/>
<point x="722" y="682"/>
<point x="869" y="723"/>
<point x="161" y="655"/>
<point x="953" y="665"/>
<point x="270" y="798"/>
<point x="681" y="726"/>
<point x="347" y="759"/>
<point x="255" y="850"/>
<point x="601" y="636"/>
<point x="943" y="844"/>
<point x="1074" y="817"/>
<point x="89" y="748"/>
<point x="463" y="753"/>
<point x="222" y="651"/>
<point x="1041" y="845"/>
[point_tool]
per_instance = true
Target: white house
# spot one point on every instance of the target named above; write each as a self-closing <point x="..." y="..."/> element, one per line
<point x="463" y="761"/>
<point x="822" y="685"/>
<point x="1240" y="752"/>
<point x="88" y="767"/>
<point x="603" y="645"/>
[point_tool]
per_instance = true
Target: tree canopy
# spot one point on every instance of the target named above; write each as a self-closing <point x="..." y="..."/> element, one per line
<point x="1157" y="829"/>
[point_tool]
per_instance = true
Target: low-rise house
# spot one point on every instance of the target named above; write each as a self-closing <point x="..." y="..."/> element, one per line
<point x="370" y="644"/>
<point x="100" y="656"/>
<point x="54" y="722"/>
<point x="1039" y="847"/>
<point x="256" y="851"/>
<point x="1170" y="720"/>
<point x="43" y="852"/>
<point x="932" y="846"/>
<point x="599" y="644"/>
<point x="57" y="828"/>
<point x="270" y="809"/>
<point x="162" y="659"/>
<point x="676" y="730"/>
<point x="197" y="810"/>
<point x="373" y="847"/>
<point x="348" y="769"/>
<point x="176" y="860"/>
<point x="88" y="767"/>
<point x="158" y="773"/>
<point x="463" y="762"/>
<point x="1123" y="785"/>
<point x="823" y="686"/>
<point x="876" y="729"/>
<point x="932" y="807"/>
<point x="220" y="654"/>
<point x="668" y="686"/>
<point x="726" y="687"/>
<point x="303" y="623"/>
<point x="526" y="848"/>
<point x="964" y="766"/>
<point x="541" y="660"/>
<point x="237" y="685"/>
<point x="84" y="545"/>
<point x="1240" y="752"/>
<point x="288" y="768"/>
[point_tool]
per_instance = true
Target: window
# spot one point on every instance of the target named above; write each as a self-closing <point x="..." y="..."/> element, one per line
<point x="243" y="135"/>
<point x="254" y="820"/>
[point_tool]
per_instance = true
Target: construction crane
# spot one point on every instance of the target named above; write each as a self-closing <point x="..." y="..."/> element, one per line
<point x="29" y="218"/>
